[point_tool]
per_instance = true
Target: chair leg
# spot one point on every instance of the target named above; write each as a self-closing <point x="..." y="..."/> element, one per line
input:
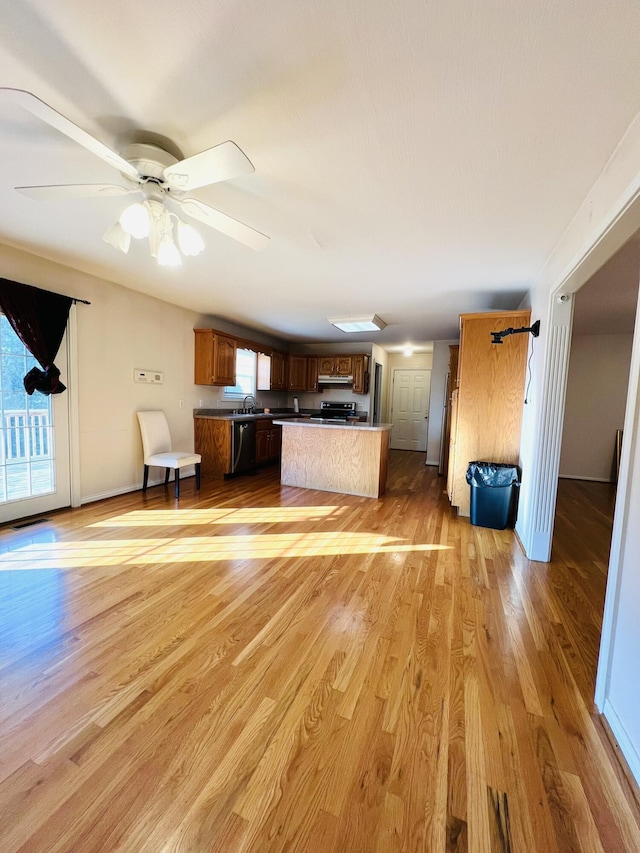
<point x="177" y="482"/>
<point x="197" y="475"/>
<point x="145" y="478"/>
<point x="167" y="471"/>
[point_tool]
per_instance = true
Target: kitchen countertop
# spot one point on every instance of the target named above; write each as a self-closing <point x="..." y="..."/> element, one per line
<point x="331" y="424"/>
<point x="257" y="416"/>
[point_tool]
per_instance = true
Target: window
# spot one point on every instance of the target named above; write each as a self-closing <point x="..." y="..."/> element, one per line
<point x="27" y="466"/>
<point x="246" y="365"/>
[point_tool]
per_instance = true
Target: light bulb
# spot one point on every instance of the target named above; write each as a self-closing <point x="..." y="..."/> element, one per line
<point x="168" y="254"/>
<point x="117" y="237"/>
<point x="189" y="240"/>
<point x="135" y="220"/>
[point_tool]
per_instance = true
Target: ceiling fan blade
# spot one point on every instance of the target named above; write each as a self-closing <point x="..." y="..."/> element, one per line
<point x="63" y="191"/>
<point x="219" y="163"/>
<point x="43" y="111"/>
<point x="226" y="224"/>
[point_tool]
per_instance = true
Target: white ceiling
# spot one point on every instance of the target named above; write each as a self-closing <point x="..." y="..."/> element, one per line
<point x="415" y="160"/>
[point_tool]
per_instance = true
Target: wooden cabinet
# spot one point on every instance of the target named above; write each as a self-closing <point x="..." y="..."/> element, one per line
<point x="486" y="417"/>
<point x="272" y="371"/>
<point x="335" y="365"/>
<point x="215" y="358"/>
<point x="312" y="373"/>
<point x="360" y="374"/>
<point x="452" y="385"/>
<point x="278" y="371"/>
<point x="212" y="440"/>
<point x="297" y="373"/>
<point x="268" y="441"/>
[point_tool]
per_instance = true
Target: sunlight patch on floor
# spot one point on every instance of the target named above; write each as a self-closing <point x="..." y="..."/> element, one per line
<point x="194" y="549"/>
<point x="229" y="515"/>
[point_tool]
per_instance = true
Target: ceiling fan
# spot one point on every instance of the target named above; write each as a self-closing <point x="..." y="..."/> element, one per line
<point x="162" y="180"/>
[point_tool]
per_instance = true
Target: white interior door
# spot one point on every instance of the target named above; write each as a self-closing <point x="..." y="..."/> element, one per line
<point x="34" y="439"/>
<point x="410" y="409"/>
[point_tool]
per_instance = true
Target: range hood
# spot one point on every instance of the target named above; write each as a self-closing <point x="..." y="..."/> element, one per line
<point x="327" y="379"/>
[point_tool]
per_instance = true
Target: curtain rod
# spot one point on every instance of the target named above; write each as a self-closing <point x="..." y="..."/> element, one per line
<point x="84" y="301"/>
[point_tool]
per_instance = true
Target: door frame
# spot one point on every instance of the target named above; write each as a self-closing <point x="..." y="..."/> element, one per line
<point x="536" y="531"/>
<point x="67" y="405"/>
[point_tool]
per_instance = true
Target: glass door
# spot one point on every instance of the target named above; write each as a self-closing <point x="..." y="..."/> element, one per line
<point x="34" y="440"/>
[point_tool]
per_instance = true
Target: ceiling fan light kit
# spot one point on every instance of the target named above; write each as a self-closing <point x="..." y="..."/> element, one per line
<point x="161" y="178"/>
<point x="150" y="218"/>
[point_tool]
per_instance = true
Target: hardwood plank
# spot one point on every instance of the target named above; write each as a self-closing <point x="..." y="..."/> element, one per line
<point x="264" y="669"/>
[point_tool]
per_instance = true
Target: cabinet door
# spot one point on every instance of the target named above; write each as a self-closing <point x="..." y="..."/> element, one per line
<point x="490" y="396"/>
<point x="262" y="445"/>
<point x="203" y="357"/>
<point x="278" y="373"/>
<point x="326" y="365"/>
<point x="212" y="440"/>
<point x="263" y="379"/>
<point x="312" y="374"/>
<point x="224" y="360"/>
<point x="297" y="372"/>
<point x="276" y="442"/>
<point x="360" y="374"/>
<point x="344" y="365"/>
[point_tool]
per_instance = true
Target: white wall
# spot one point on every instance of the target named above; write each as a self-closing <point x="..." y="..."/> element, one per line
<point x="122" y="330"/>
<point x="596" y="400"/>
<point x="439" y="371"/>
<point x="608" y="217"/>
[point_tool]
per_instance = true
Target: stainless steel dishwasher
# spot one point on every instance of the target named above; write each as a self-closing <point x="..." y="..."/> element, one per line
<point x="243" y="446"/>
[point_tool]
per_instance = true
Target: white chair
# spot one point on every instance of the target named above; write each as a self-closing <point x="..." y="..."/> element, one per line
<point x="156" y="448"/>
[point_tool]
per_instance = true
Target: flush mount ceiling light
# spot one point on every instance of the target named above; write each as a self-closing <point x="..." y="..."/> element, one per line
<point x="366" y="323"/>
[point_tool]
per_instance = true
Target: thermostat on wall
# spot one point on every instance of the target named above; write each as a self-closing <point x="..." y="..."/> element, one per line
<point x="150" y="377"/>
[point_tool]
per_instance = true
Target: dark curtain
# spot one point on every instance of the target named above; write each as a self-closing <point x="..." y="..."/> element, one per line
<point x="39" y="319"/>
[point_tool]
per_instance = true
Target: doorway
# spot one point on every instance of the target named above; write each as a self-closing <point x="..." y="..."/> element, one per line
<point x="410" y="394"/>
<point x="377" y="393"/>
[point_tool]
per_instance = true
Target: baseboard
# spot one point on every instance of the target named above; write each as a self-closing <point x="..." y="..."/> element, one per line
<point x="434" y="464"/>
<point x="134" y="487"/>
<point x="625" y="743"/>
<point x="589" y="479"/>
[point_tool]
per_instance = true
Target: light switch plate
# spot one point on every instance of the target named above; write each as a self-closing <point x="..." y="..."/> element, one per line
<point x="148" y="377"/>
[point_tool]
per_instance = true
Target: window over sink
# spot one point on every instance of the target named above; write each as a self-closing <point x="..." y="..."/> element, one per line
<point x="246" y="369"/>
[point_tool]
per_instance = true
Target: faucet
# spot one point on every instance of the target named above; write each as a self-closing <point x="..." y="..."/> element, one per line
<point x="253" y="403"/>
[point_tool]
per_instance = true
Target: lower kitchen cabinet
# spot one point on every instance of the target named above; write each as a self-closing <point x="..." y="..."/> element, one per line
<point x="212" y="440"/>
<point x="268" y="441"/>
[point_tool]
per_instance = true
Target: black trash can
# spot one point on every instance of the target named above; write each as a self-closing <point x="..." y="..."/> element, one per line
<point x="494" y="494"/>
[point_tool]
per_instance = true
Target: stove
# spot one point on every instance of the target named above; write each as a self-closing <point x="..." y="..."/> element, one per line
<point x="339" y="412"/>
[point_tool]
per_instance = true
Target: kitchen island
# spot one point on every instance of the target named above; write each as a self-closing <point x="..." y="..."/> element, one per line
<point x="335" y="457"/>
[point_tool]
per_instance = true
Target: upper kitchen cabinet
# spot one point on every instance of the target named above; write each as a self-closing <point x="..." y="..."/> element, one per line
<point x="486" y="413"/>
<point x="335" y="365"/>
<point x="312" y="373"/>
<point x="360" y="374"/>
<point x="297" y="373"/>
<point x="272" y="371"/>
<point x="278" y="371"/>
<point x="215" y="358"/>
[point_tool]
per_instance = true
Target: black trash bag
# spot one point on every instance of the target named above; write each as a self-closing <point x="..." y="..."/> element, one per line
<point x="492" y="474"/>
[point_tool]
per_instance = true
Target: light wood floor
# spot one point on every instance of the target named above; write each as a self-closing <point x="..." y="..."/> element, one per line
<point x="274" y="669"/>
